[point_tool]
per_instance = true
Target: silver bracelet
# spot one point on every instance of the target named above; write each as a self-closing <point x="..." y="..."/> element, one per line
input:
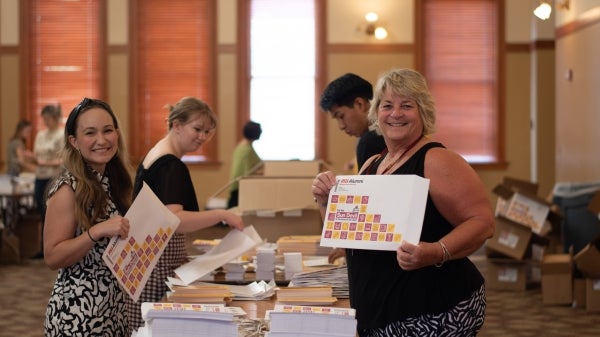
<point x="446" y="256"/>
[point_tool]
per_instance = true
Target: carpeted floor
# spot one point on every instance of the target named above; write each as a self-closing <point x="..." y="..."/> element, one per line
<point x="24" y="291"/>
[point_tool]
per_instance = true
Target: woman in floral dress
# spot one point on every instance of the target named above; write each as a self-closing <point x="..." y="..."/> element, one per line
<point x="84" y="210"/>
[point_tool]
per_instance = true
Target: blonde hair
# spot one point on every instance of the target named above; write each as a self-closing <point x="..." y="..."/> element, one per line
<point x="187" y="107"/>
<point x="410" y="84"/>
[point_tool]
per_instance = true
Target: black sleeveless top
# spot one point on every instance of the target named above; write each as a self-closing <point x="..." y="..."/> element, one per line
<point x="383" y="293"/>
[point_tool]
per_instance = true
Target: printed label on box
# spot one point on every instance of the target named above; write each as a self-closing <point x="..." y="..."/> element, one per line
<point x="508" y="274"/>
<point x="508" y="239"/>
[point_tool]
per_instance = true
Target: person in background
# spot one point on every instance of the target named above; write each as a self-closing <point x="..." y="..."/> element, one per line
<point x="46" y="149"/>
<point x="19" y="158"/>
<point x="245" y="160"/>
<point x="346" y="99"/>
<point x="431" y="288"/>
<point x="86" y="204"/>
<point x="191" y="122"/>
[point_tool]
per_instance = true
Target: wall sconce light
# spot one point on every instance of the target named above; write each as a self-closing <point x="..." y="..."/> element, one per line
<point x="543" y="10"/>
<point x="372" y="29"/>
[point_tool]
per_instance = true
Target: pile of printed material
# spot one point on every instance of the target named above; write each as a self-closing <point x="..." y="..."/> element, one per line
<point x="313" y="321"/>
<point x="188" y="319"/>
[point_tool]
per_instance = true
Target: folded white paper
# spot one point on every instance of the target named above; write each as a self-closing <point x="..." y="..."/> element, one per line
<point x="233" y="245"/>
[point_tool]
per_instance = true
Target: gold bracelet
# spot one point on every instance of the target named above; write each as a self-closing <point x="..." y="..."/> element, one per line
<point x="90" y="236"/>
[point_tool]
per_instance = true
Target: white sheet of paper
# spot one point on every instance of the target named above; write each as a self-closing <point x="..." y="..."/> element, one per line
<point x="151" y="226"/>
<point x="375" y="211"/>
<point x="234" y="244"/>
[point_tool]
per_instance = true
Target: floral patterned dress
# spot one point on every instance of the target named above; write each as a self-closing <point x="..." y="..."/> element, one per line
<point x="87" y="299"/>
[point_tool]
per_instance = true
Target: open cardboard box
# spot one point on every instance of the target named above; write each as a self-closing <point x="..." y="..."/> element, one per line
<point x="587" y="260"/>
<point x="518" y="202"/>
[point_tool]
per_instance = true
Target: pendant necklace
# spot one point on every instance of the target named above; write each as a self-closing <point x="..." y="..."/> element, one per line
<point x="408" y="148"/>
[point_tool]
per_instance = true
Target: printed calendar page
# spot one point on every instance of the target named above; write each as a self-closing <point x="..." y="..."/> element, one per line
<point x="375" y="211"/>
<point x="132" y="259"/>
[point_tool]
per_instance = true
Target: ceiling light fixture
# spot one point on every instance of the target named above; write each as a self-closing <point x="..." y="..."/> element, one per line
<point x="543" y="10"/>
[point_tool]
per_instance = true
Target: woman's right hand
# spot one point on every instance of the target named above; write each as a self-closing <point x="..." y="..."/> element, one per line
<point x="115" y="226"/>
<point x="233" y="220"/>
<point x="321" y="186"/>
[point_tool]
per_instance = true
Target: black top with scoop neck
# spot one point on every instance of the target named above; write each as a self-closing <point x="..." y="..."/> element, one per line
<point x="382" y="293"/>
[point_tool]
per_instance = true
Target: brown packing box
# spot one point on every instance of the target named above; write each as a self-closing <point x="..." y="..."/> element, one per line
<point x="579" y="293"/>
<point x="521" y="185"/>
<point x="587" y="260"/>
<point x="279" y="206"/>
<point x="557" y="279"/>
<point x="292" y="168"/>
<point x="511" y="239"/>
<point x="518" y="202"/>
<point x="592" y="295"/>
<point x="509" y="274"/>
<point x="273" y="225"/>
<point x="594" y="204"/>
<point x="275" y="193"/>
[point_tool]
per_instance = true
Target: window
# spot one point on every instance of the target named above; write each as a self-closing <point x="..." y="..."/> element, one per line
<point x="460" y="59"/>
<point x="63" y="55"/>
<point x="282" y="77"/>
<point x="173" y="56"/>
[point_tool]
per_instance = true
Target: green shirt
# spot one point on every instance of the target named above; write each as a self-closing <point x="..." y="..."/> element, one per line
<point x="244" y="159"/>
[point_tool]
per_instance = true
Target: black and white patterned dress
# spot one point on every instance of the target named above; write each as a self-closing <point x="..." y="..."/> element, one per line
<point x="87" y="299"/>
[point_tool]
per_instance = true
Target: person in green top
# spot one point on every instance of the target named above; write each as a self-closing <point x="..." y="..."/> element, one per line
<point x="245" y="160"/>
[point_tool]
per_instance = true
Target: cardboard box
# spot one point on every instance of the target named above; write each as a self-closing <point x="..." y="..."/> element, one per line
<point x="509" y="274"/>
<point x="521" y="185"/>
<point x="557" y="279"/>
<point x="292" y="168"/>
<point x="587" y="260"/>
<point x="518" y="202"/>
<point x="579" y="287"/>
<point x="592" y="295"/>
<point x="275" y="193"/>
<point x="514" y="240"/>
<point x="594" y="205"/>
<point x="273" y="225"/>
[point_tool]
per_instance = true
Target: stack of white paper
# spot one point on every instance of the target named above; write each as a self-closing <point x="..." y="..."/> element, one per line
<point x="302" y="321"/>
<point x="182" y="320"/>
<point x="336" y="277"/>
<point x="254" y="291"/>
<point x="265" y="263"/>
<point x="293" y="264"/>
<point x="235" y="270"/>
